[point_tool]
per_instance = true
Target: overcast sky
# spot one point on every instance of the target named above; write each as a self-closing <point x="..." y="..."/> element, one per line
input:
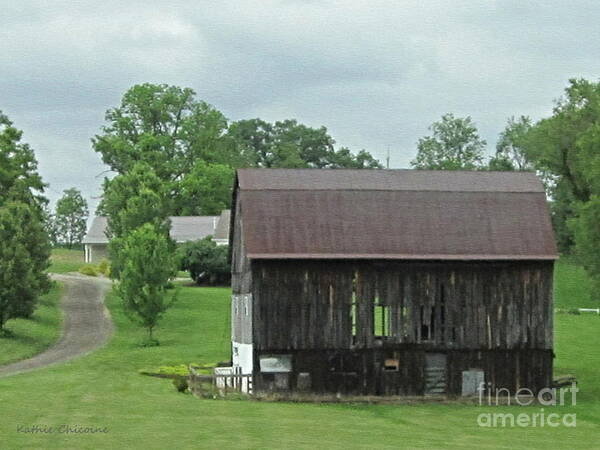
<point x="375" y="73"/>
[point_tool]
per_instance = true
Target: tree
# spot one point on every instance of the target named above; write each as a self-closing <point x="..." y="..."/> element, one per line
<point x="586" y="232"/>
<point x="344" y="159"/>
<point x="563" y="208"/>
<point x="566" y="144"/>
<point x="130" y="201"/>
<point x="174" y="148"/>
<point x="565" y="148"/>
<point x="205" y="191"/>
<point x="49" y="221"/>
<point x="454" y="145"/>
<point x="289" y="144"/>
<point x="165" y="127"/>
<point x="207" y="262"/>
<point x="501" y="163"/>
<point x="149" y="263"/>
<point x="510" y="143"/>
<point x="253" y="139"/>
<point x="18" y="166"/>
<point x="24" y="258"/>
<point x="24" y="244"/>
<point x="70" y="217"/>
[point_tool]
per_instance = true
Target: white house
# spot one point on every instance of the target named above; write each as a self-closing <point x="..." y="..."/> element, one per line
<point x="183" y="229"/>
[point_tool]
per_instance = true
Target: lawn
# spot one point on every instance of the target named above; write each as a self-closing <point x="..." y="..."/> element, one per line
<point x="104" y="389"/>
<point x="64" y="260"/>
<point x="572" y="286"/>
<point x="31" y="336"/>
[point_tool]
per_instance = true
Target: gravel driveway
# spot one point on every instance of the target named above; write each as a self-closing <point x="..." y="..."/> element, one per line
<point x="87" y="324"/>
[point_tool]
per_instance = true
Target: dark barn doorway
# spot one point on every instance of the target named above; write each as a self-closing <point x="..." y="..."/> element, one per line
<point x="435" y="373"/>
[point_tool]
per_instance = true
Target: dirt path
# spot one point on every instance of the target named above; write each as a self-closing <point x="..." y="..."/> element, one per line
<point x="87" y="324"/>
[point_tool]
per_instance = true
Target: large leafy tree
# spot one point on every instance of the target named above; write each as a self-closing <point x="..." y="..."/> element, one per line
<point x="24" y="243"/>
<point x="70" y="217"/>
<point x="510" y="143"/>
<point x="167" y="128"/>
<point x="566" y="146"/>
<point x="290" y="144"/>
<point x="454" y="144"/>
<point x="586" y="231"/>
<point x="24" y="258"/>
<point x="18" y="166"/>
<point x="131" y="200"/>
<point x="134" y="198"/>
<point x="205" y="191"/>
<point x="149" y="263"/>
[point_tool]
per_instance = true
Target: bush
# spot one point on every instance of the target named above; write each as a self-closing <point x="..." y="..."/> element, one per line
<point x="167" y="371"/>
<point x="89" y="270"/>
<point x="207" y="262"/>
<point x="104" y="267"/>
<point x="180" y="384"/>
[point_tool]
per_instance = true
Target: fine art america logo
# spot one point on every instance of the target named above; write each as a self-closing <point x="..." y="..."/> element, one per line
<point x="61" y="429"/>
<point x="546" y="398"/>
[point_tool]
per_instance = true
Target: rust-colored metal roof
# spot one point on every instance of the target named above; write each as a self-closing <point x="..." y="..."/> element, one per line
<point x="394" y="214"/>
<point x="388" y="180"/>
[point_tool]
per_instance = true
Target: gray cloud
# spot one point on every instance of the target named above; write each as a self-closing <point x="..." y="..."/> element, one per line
<point x="375" y="73"/>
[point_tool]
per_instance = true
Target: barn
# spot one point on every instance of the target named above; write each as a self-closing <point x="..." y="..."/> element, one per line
<point x="391" y="282"/>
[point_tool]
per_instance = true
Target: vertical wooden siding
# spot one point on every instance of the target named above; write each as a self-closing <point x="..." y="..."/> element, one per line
<point x="453" y="305"/>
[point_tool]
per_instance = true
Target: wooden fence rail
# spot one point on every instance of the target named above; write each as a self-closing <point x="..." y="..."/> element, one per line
<point x="222" y="384"/>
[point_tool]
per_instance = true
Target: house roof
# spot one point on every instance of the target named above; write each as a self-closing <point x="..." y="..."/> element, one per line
<point x="97" y="232"/>
<point x="394" y="214"/>
<point x="183" y="228"/>
<point x="192" y="228"/>
<point x="222" y="231"/>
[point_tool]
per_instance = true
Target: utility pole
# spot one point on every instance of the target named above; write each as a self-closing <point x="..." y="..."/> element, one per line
<point x="387" y="163"/>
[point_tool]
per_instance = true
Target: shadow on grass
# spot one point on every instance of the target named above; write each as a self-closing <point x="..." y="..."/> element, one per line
<point x="19" y="338"/>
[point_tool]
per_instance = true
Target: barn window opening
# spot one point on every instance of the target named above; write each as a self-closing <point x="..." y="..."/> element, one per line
<point x="427" y="323"/>
<point x="391" y="365"/>
<point x="353" y="307"/>
<point x="353" y="313"/>
<point x="381" y="319"/>
<point x="442" y="332"/>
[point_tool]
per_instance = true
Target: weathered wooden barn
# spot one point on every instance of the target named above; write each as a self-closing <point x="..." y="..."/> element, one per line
<point x="391" y="282"/>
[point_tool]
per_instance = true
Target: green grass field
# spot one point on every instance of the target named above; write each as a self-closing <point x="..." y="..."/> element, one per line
<point x="104" y="389"/>
<point x="64" y="260"/>
<point x="31" y="336"/>
<point x="572" y="286"/>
